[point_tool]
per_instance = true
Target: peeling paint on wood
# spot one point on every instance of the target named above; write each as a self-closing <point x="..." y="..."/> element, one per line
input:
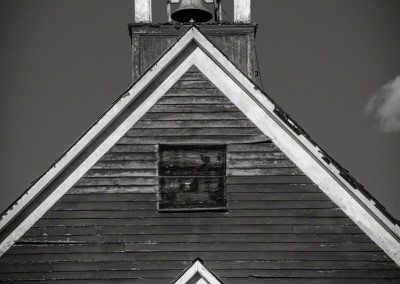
<point x="278" y="224"/>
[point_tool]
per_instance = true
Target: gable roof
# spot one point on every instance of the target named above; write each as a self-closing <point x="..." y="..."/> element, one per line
<point x="197" y="268"/>
<point x="193" y="48"/>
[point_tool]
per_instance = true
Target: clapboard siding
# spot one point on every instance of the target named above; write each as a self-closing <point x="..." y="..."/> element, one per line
<point x="279" y="225"/>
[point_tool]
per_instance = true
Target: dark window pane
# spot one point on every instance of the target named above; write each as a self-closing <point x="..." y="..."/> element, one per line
<point x="192" y="161"/>
<point x="192" y="177"/>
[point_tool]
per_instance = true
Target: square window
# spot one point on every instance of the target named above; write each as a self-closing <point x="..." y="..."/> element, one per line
<point x="192" y="177"/>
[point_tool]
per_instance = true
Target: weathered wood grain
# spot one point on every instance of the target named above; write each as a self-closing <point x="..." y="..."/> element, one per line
<point x="279" y="226"/>
<point x="197" y="221"/>
<point x="130" y="172"/>
<point x="109" y="165"/>
<point x="194" y="75"/>
<point x="125" y="205"/>
<point x="250" y="247"/>
<point x="238" y="156"/>
<point x="113" y="189"/>
<point x="67" y="266"/>
<point x="207" y="256"/>
<point x="278" y="196"/>
<point x="192" y="131"/>
<point x="129" y="157"/>
<point x="194" y="116"/>
<point x="260" y="164"/>
<point x="265" y="172"/>
<point x="276" y="188"/>
<point x="103" y="197"/>
<point x="196" y="238"/>
<point x="194" y="108"/>
<point x="326" y="229"/>
<point x="190" y="100"/>
<point x="133" y="181"/>
<point x="269" y="180"/>
<point x="198" y="139"/>
<point x="311" y="213"/>
<point x="284" y="204"/>
<point x="193" y="124"/>
<point x="261" y="147"/>
<point x="118" y="148"/>
<point x="163" y="275"/>
<point x="195" y="83"/>
<point x="118" y="230"/>
<point x="193" y="92"/>
<point x="181" y="265"/>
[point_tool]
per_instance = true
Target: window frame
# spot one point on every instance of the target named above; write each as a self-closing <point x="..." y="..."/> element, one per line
<point x="221" y="208"/>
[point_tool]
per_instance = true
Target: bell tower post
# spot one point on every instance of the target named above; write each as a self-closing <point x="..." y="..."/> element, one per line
<point x="235" y="39"/>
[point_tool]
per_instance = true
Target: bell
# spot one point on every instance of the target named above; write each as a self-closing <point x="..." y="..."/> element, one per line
<point x="191" y="10"/>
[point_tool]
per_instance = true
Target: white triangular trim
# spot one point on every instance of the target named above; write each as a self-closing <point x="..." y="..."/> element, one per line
<point x="91" y="135"/>
<point x="108" y="117"/>
<point x="253" y="103"/>
<point x="198" y="268"/>
<point x="308" y="157"/>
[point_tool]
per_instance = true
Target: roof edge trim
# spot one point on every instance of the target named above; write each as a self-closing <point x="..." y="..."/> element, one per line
<point x="197" y="268"/>
<point x="260" y="109"/>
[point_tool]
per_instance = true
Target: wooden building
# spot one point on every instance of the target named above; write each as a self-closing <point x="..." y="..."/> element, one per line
<point x="195" y="175"/>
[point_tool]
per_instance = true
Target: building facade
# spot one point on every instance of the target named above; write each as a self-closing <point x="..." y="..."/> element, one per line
<point x="194" y="175"/>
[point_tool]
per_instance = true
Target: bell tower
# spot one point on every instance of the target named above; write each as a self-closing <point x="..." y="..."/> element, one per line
<point x="235" y="39"/>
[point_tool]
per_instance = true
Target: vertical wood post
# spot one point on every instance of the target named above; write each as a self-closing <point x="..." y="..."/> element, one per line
<point x="143" y="11"/>
<point x="219" y="11"/>
<point x="169" y="11"/>
<point x="242" y="11"/>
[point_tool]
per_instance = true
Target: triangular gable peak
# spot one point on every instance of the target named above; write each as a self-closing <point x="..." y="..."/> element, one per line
<point x="197" y="273"/>
<point x="194" y="49"/>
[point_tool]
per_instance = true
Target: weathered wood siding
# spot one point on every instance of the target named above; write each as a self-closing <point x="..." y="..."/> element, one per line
<point x="279" y="226"/>
<point x="235" y="41"/>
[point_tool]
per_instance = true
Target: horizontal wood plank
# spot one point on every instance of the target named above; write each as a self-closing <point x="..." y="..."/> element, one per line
<point x="250" y="247"/>
<point x="129" y="157"/>
<point x="278" y="188"/>
<point x="193" y="124"/>
<point x="193" y="116"/>
<point x="284" y="204"/>
<point x="265" y="172"/>
<point x="202" y="140"/>
<point x="121" y="173"/>
<point x="278" y="196"/>
<point x="190" y="100"/>
<point x="269" y="180"/>
<point x="191" y="221"/>
<point x="125" y="165"/>
<point x="118" y="230"/>
<point x="195" y="108"/>
<point x="113" y="189"/>
<point x="285" y="212"/>
<point x="181" y="265"/>
<point x="133" y="181"/>
<point x="261" y="147"/>
<point x="139" y="132"/>
<point x="260" y="164"/>
<point x="203" y="238"/>
<point x="118" y="148"/>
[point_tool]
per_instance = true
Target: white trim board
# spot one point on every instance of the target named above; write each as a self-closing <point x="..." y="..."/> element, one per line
<point x="89" y="137"/>
<point x="255" y="105"/>
<point x="198" y="268"/>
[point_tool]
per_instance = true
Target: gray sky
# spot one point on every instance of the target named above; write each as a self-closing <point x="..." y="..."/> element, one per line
<point x="62" y="63"/>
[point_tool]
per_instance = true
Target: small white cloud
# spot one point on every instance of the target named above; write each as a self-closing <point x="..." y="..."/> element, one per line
<point x="385" y="105"/>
